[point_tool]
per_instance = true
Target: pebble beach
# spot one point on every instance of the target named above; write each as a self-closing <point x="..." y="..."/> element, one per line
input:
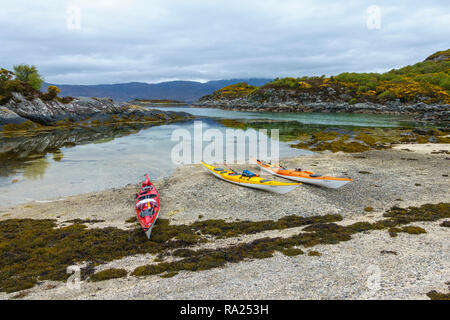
<point x="372" y="265"/>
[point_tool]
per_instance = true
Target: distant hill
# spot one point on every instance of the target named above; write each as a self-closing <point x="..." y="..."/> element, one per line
<point x="174" y="90"/>
<point x="422" y="89"/>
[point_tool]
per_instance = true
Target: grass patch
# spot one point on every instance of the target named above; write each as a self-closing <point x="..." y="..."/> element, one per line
<point x="108" y="274"/>
<point x="445" y="223"/>
<point x="368" y="209"/>
<point x="82" y="221"/>
<point x="37" y="249"/>
<point x="20" y="295"/>
<point x="32" y="250"/>
<point x="413" y="230"/>
<point x="388" y="252"/>
<point x="222" y="229"/>
<point x="314" y="253"/>
<point x="169" y="274"/>
<point x="434" y="295"/>
<point x="290" y="252"/>
<point x="131" y="220"/>
<point x="319" y="233"/>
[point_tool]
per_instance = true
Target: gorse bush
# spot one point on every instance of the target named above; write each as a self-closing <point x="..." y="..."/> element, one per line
<point x="52" y="93"/>
<point x="28" y="74"/>
<point x="235" y="91"/>
<point x="427" y="81"/>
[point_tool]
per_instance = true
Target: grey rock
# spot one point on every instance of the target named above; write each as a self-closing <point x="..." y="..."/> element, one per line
<point x="9" y="117"/>
<point x="49" y="112"/>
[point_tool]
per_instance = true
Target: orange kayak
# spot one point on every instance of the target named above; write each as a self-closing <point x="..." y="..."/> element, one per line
<point x="302" y="176"/>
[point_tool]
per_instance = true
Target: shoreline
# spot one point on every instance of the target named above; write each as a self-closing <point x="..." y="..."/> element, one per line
<point x="382" y="179"/>
<point x="359" y="166"/>
<point x="419" y="111"/>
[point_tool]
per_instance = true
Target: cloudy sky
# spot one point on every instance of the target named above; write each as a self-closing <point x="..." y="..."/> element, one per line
<point x="111" y="41"/>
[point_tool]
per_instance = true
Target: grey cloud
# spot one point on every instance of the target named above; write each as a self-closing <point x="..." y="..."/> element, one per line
<point x="122" y="41"/>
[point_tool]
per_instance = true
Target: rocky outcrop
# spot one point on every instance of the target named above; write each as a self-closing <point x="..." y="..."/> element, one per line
<point x="48" y="113"/>
<point x="10" y="117"/>
<point x="286" y="101"/>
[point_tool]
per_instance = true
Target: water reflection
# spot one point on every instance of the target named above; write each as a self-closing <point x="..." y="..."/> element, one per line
<point x="28" y="152"/>
<point x="35" y="169"/>
<point x="60" y="163"/>
<point x="65" y="162"/>
<point x="305" y="118"/>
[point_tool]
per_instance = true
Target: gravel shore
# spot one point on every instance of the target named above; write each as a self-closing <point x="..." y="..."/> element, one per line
<point x="354" y="269"/>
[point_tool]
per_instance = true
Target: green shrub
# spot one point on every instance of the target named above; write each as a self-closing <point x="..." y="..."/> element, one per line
<point x="28" y="74"/>
<point x="108" y="274"/>
<point x="413" y="230"/>
<point x="434" y="295"/>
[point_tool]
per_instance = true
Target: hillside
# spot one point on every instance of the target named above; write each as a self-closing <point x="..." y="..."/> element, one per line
<point x="416" y="87"/>
<point x="173" y="90"/>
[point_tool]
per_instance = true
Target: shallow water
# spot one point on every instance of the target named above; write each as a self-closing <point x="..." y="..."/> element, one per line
<point x="98" y="165"/>
<point x="310" y="118"/>
<point x="57" y="164"/>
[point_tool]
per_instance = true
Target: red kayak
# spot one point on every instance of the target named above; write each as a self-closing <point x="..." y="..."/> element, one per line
<point x="147" y="206"/>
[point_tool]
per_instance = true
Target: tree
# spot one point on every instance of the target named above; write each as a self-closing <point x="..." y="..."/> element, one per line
<point x="35" y="81"/>
<point x="28" y="74"/>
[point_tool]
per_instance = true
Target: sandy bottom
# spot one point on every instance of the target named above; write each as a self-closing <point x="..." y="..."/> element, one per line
<point x="429" y="148"/>
<point x="354" y="269"/>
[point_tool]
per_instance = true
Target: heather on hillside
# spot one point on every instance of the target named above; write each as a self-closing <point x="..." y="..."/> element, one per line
<point x="427" y="81"/>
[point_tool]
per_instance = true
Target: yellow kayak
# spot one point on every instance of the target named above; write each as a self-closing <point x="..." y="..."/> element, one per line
<point x="250" y="180"/>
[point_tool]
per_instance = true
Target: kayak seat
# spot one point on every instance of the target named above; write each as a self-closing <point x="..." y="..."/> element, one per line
<point x="218" y="169"/>
<point x="315" y="175"/>
<point x="265" y="180"/>
<point x="248" y="174"/>
<point x="224" y="171"/>
<point x="149" y="212"/>
<point x="233" y="174"/>
<point x="147" y="196"/>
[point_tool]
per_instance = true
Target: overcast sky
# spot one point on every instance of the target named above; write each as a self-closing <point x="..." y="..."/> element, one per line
<point x="112" y="41"/>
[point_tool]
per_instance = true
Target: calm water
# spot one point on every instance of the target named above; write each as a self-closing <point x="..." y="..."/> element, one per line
<point x="309" y="118"/>
<point x="58" y="164"/>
